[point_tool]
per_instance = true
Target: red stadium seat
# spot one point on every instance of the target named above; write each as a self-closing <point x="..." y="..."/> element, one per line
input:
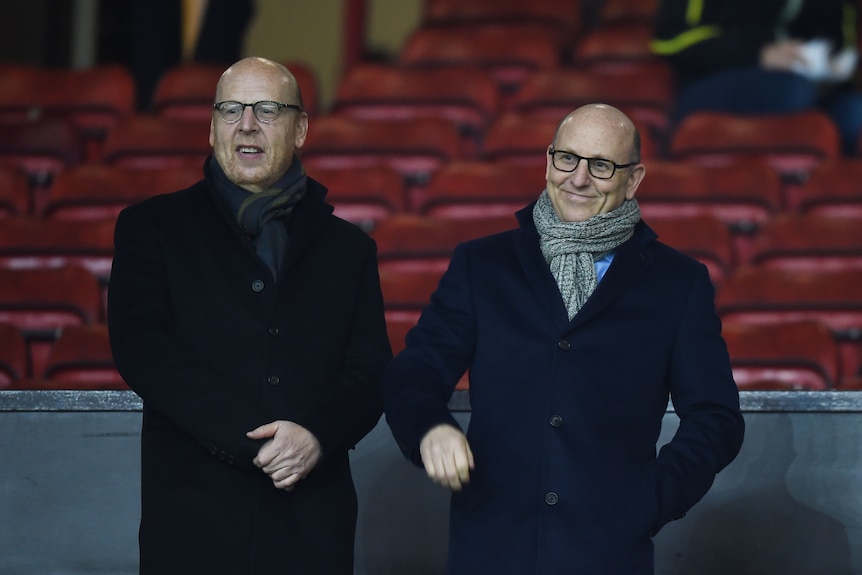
<point x="465" y="96"/>
<point x="832" y="188"/>
<point x="98" y="191"/>
<point x="510" y="53"/>
<point x="365" y="195"/>
<point x="792" y="143"/>
<point x="81" y="358"/>
<point x="623" y="46"/>
<point x="645" y="95"/>
<point x="187" y="91"/>
<point x="744" y="195"/>
<point x="415" y="148"/>
<point x="524" y="139"/>
<point x="480" y="189"/>
<point x="154" y="142"/>
<point x="35" y="243"/>
<point x="409" y="241"/>
<point x="613" y="12"/>
<point x="14" y="192"/>
<point x="809" y="242"/>
<point x="40" y="302"/>
<point x="786" y="355"/>
<point x="757" y="295"/>
<point x="14" y="360"/>
<point x="703" y="237"/>
<point x="560" y="19"/>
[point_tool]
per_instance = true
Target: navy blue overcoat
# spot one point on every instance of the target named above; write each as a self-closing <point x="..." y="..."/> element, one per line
<point x="566" y="414"/>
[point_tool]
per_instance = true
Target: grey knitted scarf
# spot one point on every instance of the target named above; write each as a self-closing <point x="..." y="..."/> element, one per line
<point x="571" y="248"/>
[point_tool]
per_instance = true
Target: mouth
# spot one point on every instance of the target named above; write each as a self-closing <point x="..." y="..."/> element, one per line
<point x="249" y="150"/>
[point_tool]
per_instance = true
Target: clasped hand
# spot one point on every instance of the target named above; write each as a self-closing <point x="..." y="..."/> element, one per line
<point x="447" y="456"/>
<point x="290" y="454"/>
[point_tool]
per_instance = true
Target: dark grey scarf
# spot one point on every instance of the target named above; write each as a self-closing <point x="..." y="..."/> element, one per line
<point x="265" y="215"/>
<point x="571" y="248"/>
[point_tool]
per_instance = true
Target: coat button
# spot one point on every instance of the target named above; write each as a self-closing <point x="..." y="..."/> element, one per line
<point x="551" y="498"/>
<point x="564" y="345"/>
<point x="257" y="286"/>
<point x="273" y="380"/>
<point x="556" y="421"/>
<point x="273" y="331"/>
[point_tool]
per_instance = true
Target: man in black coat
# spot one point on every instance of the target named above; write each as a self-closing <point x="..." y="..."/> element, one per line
<point x="250" y="321"/>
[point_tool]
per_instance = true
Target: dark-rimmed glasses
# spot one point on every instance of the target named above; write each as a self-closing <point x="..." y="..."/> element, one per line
<point x="599" y="167"/>
<point x="265" y="111"/>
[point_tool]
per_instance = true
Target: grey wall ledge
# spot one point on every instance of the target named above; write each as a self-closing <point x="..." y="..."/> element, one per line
<point x="750" y="401"/>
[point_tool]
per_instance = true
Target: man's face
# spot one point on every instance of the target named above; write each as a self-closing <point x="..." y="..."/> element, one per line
<point x="578" y="196"/>
<point x="253" y="154"/>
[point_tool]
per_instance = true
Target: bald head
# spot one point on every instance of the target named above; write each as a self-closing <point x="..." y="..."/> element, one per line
<point x="614" y="121"/>
<point x="249" y="69"/>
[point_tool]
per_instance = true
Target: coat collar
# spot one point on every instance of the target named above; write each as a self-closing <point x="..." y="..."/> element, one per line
<point x="631" y="259"/>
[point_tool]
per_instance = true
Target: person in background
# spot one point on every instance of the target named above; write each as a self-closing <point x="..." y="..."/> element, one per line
<point x="764" y="57"/>
<point x="576" y="328"/>
<point x="250" y="321"/>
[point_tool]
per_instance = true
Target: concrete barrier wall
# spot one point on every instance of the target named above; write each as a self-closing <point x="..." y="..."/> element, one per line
<point x="790" y="504"/>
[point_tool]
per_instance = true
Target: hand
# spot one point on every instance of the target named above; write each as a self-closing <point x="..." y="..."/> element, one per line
<point x="447" y="456"/>
<point x="289" y="455"/>
<point x="784" y="55"/>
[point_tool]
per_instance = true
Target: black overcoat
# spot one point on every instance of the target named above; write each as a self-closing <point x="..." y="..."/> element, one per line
<point x="215" y="347"/>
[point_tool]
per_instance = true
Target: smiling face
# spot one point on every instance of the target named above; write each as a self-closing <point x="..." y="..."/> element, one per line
<point x="254" y="155"/>
<point x="595" y="131"/>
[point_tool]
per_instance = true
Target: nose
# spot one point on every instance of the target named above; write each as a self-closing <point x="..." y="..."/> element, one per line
<point x="248" y="121"/>
<point x="581" y="176"/>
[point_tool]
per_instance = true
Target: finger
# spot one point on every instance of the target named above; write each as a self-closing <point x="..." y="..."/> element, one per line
<point x="288" y="483"/>
<point x="263" y="432"/>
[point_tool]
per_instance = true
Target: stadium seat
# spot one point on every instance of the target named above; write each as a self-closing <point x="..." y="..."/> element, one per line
<point x="614" y="12"/>
<point x="467" y="97"/>
<point x="40" y="302"/>
<point x="624" y="46"/>
<point x="703" y="237"/>
<point x="14" y="360"/>
<point x="744" y="195"/>
<point x="792" y="143"/>
<point x="413" y="242"/>
<point x="187" y="90"/>
<point x="524" y="139"/>
<point x="36" y="243"/>
<point x="809" y="242"/>
<point x="831" y="189"/>
<point x="510" y="53"/>
<point x="81" y="358"/>
<point x="755" y="295"/>
<point x="415" y="148"/>
<point x="643" y="94"/>
<point x="91" y="99"/>
<point x="560" y="19"/>
<point x="364" y="195"/>
<point x="14" y="192"/>
<point x="797" y="355"/>
<point x="98" y="191"/>
<point x="152" y="142"/>
<point x="480" y="189"/>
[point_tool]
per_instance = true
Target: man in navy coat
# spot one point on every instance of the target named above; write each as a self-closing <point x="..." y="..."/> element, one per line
<point x="576" y="328"/>
<point x="250" y="321"/>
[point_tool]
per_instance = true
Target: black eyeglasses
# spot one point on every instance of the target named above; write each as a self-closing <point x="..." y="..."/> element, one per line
<point x="599" y="167"/>
<point x="265" y="111"/>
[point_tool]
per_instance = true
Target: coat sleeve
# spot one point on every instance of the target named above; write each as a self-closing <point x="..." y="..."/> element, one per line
<point x="156" y="364"/>
<point x="706" y="400"/>
<point x="421" y="379"/>
<point x="353" y="406"/>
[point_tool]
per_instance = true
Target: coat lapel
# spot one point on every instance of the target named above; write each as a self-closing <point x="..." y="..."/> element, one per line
<point x="630" y="261"/>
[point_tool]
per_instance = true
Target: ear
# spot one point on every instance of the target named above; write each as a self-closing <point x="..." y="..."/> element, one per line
<point x="635" y="178"/>
<point x="212" y="131"/>
<point x="301" y="129"/>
